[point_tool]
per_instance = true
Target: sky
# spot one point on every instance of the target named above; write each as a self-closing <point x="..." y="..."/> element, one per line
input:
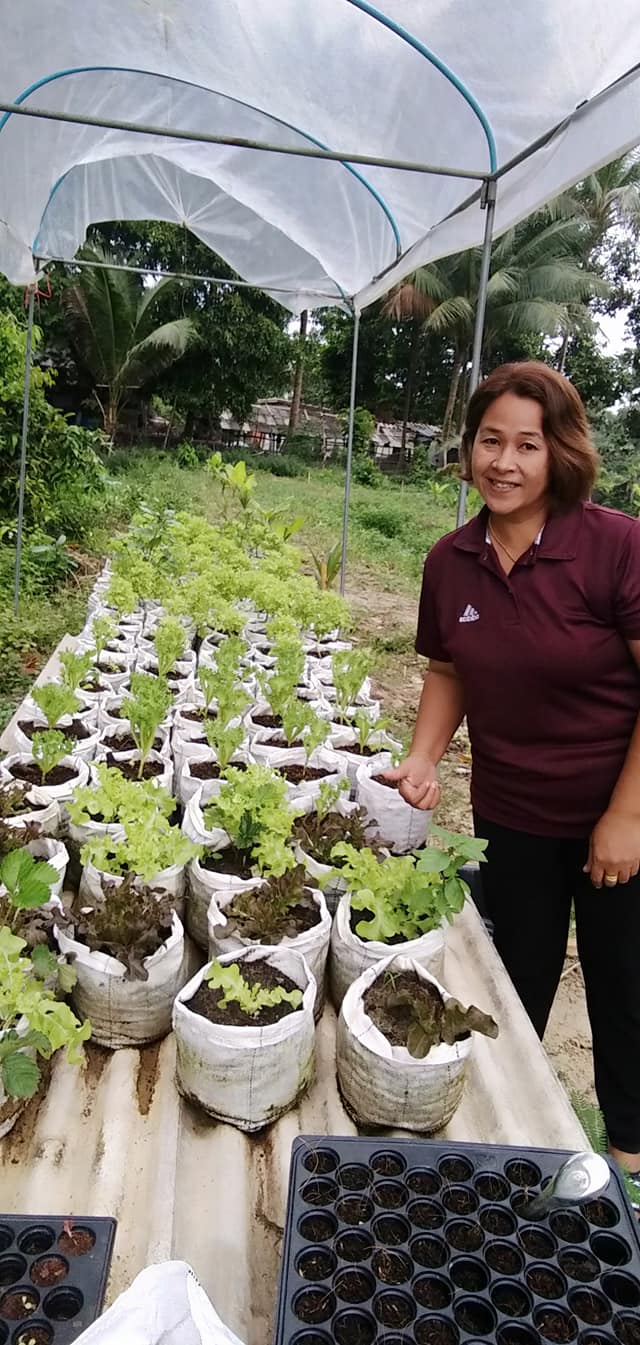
<point x="612" y="338"/>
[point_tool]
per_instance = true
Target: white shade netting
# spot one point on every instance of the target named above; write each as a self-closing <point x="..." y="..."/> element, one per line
<point x="449" y="83"/>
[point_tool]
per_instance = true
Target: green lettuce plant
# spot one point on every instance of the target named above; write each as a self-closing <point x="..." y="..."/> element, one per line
<point x="169" y="643"/>
<point x="75" y="667"/>
<point x="350" y="667"/>
<point x="251" y="999"/>
<point x="407" y="895"/>
<point x="32" y="1021"/>
<point x="146" y="711"/>
<point x="150" y="846"/>
<point x="48" y="750"/>
<point x="55" y="700"/>
<point x="116" y="799"/>
<point x="252" y="808"/>
<point x="103" y="629"/>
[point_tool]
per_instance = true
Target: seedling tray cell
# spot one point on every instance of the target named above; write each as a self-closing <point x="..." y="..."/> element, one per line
<point x="418" y="1242"/>
<point x="52" y="1277"/>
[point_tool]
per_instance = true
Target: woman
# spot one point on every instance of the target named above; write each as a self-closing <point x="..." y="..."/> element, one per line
<point x="530" y="619"/>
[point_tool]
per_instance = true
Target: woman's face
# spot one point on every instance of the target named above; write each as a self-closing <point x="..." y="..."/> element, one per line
<point x="510" y="458"/>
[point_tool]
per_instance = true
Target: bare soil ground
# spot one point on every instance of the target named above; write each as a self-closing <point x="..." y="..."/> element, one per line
<point x="386" y="621"/>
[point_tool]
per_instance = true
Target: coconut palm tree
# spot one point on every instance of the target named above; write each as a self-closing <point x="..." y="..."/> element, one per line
<point x="116" y="335"/>
<point x="537" y="285"/>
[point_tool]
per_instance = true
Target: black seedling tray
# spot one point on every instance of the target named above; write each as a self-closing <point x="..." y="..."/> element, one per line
<point x="58" y="1289"/>
<point x="407" y="1242"/>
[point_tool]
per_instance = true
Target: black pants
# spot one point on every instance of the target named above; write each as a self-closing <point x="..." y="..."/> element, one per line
<point x="528" y="885"/>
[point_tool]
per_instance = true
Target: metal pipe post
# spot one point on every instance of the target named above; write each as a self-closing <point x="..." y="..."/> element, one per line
<point x="347" y="484"/>
<point x="489" y="203"/>
<point x="23" y="448"/>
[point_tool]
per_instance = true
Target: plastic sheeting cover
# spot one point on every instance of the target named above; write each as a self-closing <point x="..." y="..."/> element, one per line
<point x="343" y="74"/>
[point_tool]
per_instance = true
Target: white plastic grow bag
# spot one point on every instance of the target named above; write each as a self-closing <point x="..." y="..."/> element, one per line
<point x="351" y="955"/>
<point x="48" y="818"/>
<point x="247" y="1076"/>
<point x="193" y="826"/>
<point x="123" y="1011"/>
<point x="84" y="749"/>
<point x="162" y="780"/>
<point x="383" y="1085"/>
<point x="105" y="707"/>
<point x="205" y="886"/>
<point x="55" y="853"/>
<point x="121" y="729"/>
<point x="335" y="890"/>
<point x="46" y="794"/>
<point x="188" y="782"/>
<point x="400" y="826"/>
<point x="312" y="944"/>
<point x="165" y="1305"/>
<point x="171" y="881"/>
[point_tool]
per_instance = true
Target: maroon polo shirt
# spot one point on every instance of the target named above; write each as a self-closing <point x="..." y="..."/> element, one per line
<point x="552" y="692"/>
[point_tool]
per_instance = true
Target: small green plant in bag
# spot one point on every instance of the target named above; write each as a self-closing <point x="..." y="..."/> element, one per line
<point x="75" y="668"/>
<point x="169" y="643"/>
<point x="250" y="998"/>
<point x="115" y="799"/>
<point x="55" y="701"/>
<point x="350" y="667"/>
<point x="48" y="749"/>
<point x="147" y="709"/>
<point x="27" y="883"/>
<point x="252" y="807"/>
<point x="103" y="629"/>
<point x="32" y="1021"/>
<point x="223" y="740"/>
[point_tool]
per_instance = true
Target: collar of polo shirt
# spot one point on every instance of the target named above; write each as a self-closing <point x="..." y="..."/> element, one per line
<point x="557" y="540"/>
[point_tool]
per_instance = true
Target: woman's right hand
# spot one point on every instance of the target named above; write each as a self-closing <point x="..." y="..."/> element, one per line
<point x="418" y="782"/>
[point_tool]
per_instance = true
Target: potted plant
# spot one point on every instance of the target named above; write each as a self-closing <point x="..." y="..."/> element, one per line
<point x="402" y="827"/>
<point x="281" y="911"/>
<point x="147" y="710"/>
<point x="27" y="836"/>
<point x="19" y="807"/>
<point x="201" y="760"/>
<point x="401" y="902"/>
<point x="350" y="668"/>
<point x="245" y="1037"/>
<point x="149" y="848"/>
<point x="50" y="770"/>
<point x="128" y="954"/>
<point x="367" y="740"/>
<point x="402" y="1047"/>
<point x="56" y="706"/>
<point x="316" y="835"/>
<point x="33" y="1021"/>
<point x="245" y="831"/>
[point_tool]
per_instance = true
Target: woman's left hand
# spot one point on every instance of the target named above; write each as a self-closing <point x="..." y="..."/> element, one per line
<point x="614" y="849"/>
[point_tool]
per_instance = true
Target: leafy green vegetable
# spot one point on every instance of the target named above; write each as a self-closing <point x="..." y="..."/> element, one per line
<point x="407" y="895"/>
<point x="115" y="799"/>
<point x="252" y="808"/>
<point x="350" y="667"/>
<point x="28" y="883"/>
<point x="151" y="845"/>
<point x="103" y="630"/>
<point x="131" y="924"/>
<point x="270" y="913"/>
<point x="75" y="668"/>
<point x="319" y="833"/>
<point x="147" y="709"/>
<point x="251" y="998"/>
<point x="169" y="643"/>
<point x="49" y="748"/>
<point x="55" y="701"/>
<point x="412" y="1008"/>
<point x="49" y="1025"/>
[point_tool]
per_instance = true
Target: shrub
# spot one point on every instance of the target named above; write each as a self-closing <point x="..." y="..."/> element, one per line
<point x="186" y="455"/>
<point x="284" y="465"/>
<point x="366" y="472"/>
<point x="390" y="522"/>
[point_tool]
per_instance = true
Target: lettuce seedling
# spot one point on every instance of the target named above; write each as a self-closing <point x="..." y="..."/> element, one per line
<point x="146" y="711"/>
<point x="32" y="1020"/>
<point x="48" y="749"/>
<point x="350" y="667"/>
<point x="252" y="808"/>
<point x="169" y="643"/>
<point x="250" y="998"/>
<point x="103" y="630"/>
<point x="116" y="799"/>
<point x="425" y="1018"/>
<point x="75" y="667"/>
<point x="55" y="700"/>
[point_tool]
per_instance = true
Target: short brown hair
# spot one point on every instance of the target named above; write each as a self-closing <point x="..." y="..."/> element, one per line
<point x="573" y="459"/>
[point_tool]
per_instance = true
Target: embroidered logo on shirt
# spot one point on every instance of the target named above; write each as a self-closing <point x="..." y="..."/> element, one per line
<point x="469" y="614"/>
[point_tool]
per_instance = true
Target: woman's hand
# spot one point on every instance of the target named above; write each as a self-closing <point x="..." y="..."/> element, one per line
<point x="418" y="781"/>
<point x="614" y="849"/>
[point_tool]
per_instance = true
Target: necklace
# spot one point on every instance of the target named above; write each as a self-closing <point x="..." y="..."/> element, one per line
<point x="496" y="539"/>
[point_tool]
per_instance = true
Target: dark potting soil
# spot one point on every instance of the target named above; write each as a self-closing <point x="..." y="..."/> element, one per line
<point x="94" y="684"/>
<point x="556" y="1326"/>
<point x="299" y="918"/>
<point x="545" y="1282"/>
<point x="130" y="768"/>
<point x="296" y="774"/>
<point x="49" y="1270"/>
<point x="34" y="1335"/>
<point x="77" y="1242"/>
<point x="31" y="774"/>
<point x="355" y="750"/>
<point x="267" y="721"/>
<point x="76" y="729"/>
<point x="236" y="862"/>
<point x="206" y="1002"/>
<point x="388" y="784"/>
<point x="20" y="804"/>
<point x="579" y="1265"/>
<point x="395" y="1022"/>
<point x="18" y="1305"/>
<point x="210" y="770"/>
<point x="125" y="742"/>
<point x="197" y="716"/>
